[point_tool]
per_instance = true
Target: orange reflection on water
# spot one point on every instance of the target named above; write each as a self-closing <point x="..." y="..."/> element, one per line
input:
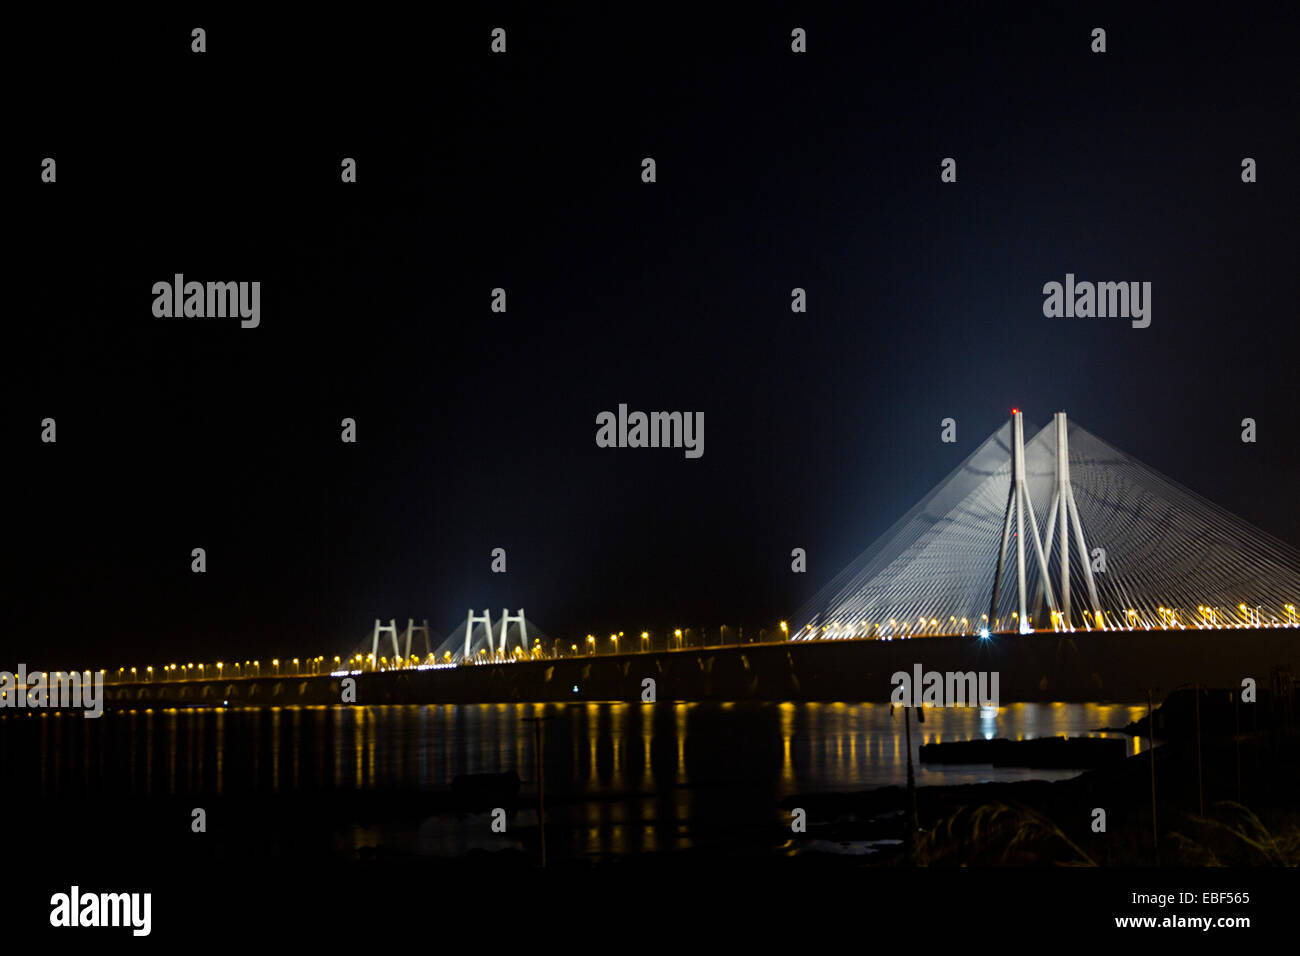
<point x="221" y="747"/>
<point x="680" y="712"/>
<point x="618" y="716"/>
<point x="787" y="712"/>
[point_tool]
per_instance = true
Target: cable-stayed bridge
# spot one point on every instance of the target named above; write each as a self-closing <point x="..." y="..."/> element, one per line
<point x="1058" y="532"/>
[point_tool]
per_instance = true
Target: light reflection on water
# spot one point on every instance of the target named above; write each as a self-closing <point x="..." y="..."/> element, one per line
<point x="621" y="778"/>
<point x="592" y="749"/>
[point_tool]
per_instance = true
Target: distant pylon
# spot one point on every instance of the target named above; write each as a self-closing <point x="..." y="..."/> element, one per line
<point x="469" y="630"/>
<point x="1018" y="503"/>
<point x="410" y="627"/>
<point x="391" y="629"/>
<point x="506" y="620"/>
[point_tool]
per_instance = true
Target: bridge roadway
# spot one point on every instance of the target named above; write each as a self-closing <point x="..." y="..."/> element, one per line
<point x="1083" y="666"/>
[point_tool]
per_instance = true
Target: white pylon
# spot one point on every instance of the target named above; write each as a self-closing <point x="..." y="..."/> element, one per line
<point x="410" y="628"/>
<point x="1064" y="506"/>
<point x="469" y="630"/>
<point x="506" y="620"/>
<point x="391" y="629"/>
<point x="1018" y="504"/>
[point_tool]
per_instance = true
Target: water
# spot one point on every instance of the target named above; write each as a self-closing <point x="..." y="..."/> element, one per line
<point x="620" y="778"/>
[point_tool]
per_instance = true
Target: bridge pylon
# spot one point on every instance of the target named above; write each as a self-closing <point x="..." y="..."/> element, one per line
<point x="1063" y="504"/>
<point x="410" y="629"/>
<point x="506" y="620"/>
<point x="1018" y="505"/>
<point x="1186" y="562"/>
<point x="485" y="619"/>
<point x="390" y="629"/>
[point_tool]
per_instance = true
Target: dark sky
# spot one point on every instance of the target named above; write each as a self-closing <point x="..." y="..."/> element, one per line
<point x="477" y="430"/>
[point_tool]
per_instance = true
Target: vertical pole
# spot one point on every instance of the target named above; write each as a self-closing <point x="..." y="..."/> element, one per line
<point x="1151" y="744"/>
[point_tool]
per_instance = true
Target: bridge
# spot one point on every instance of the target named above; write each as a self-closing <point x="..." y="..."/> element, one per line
<point x="1122" y="550"/>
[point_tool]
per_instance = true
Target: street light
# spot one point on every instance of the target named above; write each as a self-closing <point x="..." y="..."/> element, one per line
<point x="591" y="639"/>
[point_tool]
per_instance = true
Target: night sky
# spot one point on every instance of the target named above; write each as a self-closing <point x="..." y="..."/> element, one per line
<point x="477" y="430"/>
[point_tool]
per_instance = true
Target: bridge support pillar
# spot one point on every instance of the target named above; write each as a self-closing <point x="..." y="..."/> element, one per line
<point x="1018" y="504"/>
<point x="506" y="620"/>
<point x="1064" y="499"/>
<point x="390" y="629"/>
<point x="410" y="629"/>
<point x="486" y="620"/>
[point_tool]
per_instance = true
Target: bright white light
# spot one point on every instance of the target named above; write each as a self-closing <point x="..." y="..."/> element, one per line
<point x="984" y="633"/>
